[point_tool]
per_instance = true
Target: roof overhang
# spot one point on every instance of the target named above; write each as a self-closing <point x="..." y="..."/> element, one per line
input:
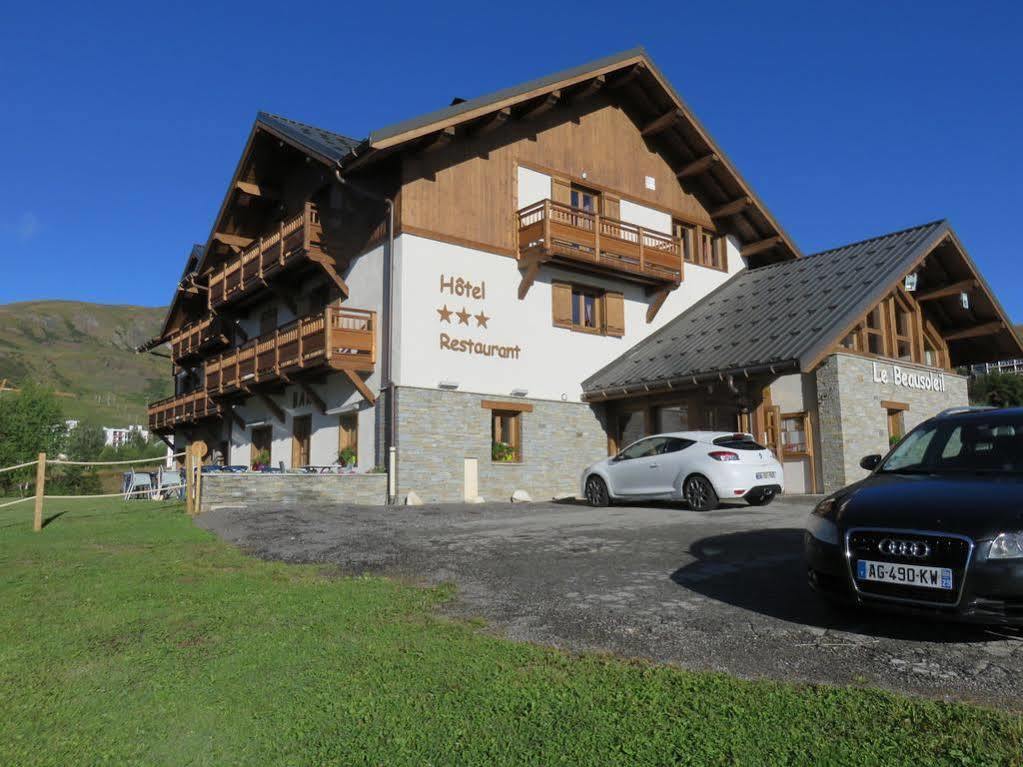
<point x="666" y="121"/>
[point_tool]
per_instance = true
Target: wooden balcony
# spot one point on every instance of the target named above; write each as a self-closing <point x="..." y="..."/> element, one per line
<point x="290" y="244"/>
<point x="198" y="337"/>
<point x="337" y="338"/>
<point x="586" y="240"/>
<point x="167" y="413"/>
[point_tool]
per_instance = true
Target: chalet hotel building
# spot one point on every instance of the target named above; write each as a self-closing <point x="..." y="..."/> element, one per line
<point x="491" y="296"/>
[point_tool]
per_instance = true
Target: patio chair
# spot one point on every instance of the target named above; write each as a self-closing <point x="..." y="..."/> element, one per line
<point x="170" y="484"/>
<point x="139" y="485"/>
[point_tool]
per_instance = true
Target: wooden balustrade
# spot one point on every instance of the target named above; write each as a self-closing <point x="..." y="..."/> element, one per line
<point x="286" y="245"/>
<point x="338" y="337"/>
<point x="198" y="336"/>
<point x="563" y="232"/>
<point x="167" y="413"/>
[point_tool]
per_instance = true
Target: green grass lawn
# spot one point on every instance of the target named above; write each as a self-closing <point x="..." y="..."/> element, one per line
<point x="128" y="636"/>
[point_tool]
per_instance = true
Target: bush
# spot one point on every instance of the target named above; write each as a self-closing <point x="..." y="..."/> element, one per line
<point x="998" y="389"/>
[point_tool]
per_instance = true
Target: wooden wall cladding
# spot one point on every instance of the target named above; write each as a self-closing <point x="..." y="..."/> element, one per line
<point x="467" y="190"/>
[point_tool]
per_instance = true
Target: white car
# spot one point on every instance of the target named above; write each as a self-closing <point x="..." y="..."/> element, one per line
<point x="699" y="467"/>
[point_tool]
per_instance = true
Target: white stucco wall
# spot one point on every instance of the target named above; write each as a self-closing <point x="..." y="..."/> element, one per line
<point x="533" y="186"/>
<point x="551" y="362"/>
<point x="648" y="218"/>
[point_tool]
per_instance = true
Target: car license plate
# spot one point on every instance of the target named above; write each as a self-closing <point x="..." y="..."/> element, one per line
<point x="765" y="475"/>
<point x="905" y="575"/>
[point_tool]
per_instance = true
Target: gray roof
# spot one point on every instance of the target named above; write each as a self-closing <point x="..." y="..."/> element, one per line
<point x="506" y="93"/>
<point x="329" y="146"/>
<point x="781" y="315"/>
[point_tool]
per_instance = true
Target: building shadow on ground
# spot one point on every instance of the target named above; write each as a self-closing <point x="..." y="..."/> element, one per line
<point x="762" y="571"/>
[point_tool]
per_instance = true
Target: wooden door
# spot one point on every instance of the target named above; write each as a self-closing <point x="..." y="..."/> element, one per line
<point x="301" y="432"/>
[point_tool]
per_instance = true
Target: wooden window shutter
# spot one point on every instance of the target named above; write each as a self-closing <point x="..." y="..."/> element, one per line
<point x="614" y="314"/>
<point x="561" y="300"/>
<point x="612" y="206"/>
<point x="561" y="191"/>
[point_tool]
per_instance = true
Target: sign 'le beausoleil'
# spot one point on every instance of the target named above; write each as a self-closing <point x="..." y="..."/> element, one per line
<point x="911" y="379"/>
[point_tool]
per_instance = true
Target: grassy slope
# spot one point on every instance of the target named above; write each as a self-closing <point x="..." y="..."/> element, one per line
<point x="128" y="636"/>
<point x="88" y="350"/>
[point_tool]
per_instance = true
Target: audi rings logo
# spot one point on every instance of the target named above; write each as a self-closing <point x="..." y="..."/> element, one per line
<point x="896" y="548"/>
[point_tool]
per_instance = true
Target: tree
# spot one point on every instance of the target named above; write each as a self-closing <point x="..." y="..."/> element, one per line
<point x="998" y="389"/>
<point x="31" y="422"/>
<point x="85" y="442"/>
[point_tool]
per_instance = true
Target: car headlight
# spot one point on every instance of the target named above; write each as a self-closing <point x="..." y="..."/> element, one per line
<point x="1006" y="546"/>
<point x="822" y="529"/>
<point x="824" y="508"/>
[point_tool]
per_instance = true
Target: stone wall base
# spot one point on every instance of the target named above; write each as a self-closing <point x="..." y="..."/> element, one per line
<point x="292" y="490"/>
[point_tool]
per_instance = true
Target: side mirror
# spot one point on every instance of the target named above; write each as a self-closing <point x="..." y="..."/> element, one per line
<point x="870" y="462"/>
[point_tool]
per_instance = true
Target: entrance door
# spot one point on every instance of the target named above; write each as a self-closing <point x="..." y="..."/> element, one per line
<point x="301" y="431"/>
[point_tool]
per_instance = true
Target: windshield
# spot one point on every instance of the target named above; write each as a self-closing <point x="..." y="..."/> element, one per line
<point x="739" y="442"/>
<point x="991" y="444"/>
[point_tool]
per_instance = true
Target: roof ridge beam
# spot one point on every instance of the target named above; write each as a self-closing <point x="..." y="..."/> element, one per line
<point x="634" y="71"/>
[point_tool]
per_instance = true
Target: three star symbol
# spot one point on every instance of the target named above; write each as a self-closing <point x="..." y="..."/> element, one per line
<point x="463" y="316"/>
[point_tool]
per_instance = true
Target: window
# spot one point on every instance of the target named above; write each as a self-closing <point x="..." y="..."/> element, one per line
<point x="506" y="436"/>
<point x="794" y="431"/>
<point x="934" y="349"/>
<point x="895" y="419"/>
<point x="348" y="439"/>
<point x="700" y="246"/>
<point x="686" y="235"/>
<point x="317" y="299"/>
<point x="873" y="330"/>
<point x="588" y="309"/>
<point x="673" y="418"/>
<point x="643" y="449"/>
<point x="584" y="199"/>
<point x="905" y="330"/>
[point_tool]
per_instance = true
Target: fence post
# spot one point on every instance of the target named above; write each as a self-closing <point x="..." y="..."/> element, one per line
<point x="189" y="491"/>
<point x="37" y="523"/>
<point x="197" y="500"/>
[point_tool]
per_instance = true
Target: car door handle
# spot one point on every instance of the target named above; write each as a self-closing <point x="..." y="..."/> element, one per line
<point x="653" y="466"/>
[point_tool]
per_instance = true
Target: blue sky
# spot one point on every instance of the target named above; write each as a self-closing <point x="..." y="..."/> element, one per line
<point x="120" y="124"/>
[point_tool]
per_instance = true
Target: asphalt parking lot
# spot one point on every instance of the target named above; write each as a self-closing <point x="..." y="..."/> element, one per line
<point x="721" y="590"/>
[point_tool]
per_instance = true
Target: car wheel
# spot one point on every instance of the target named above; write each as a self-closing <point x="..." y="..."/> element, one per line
<point x="699" y="494"/>
<point x="596" y="492"/>
<point x="761" y="499"/>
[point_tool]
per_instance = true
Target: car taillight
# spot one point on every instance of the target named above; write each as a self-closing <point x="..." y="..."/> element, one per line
<point x="723" y="455"/>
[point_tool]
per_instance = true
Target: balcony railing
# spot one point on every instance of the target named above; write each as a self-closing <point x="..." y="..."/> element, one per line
<point x="167" y="413"/>
<point x="339" y="338"/>
<point x="596" y="241"/>
<point x="289" y="244"/>
<point x="197" y="337"/>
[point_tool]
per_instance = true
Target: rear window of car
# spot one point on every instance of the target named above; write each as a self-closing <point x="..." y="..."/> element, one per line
<point x="739" y="442"/>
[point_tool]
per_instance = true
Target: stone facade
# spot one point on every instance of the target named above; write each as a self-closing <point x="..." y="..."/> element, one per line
<point x="292" y="490"/>
<point x="853" y="422"/>
<point x="438" y="430"/>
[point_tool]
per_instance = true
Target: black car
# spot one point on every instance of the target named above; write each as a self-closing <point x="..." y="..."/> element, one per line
<point x="937" y="527"/>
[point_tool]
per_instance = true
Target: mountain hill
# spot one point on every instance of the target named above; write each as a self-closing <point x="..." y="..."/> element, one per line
<point x="88" y="351"/>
